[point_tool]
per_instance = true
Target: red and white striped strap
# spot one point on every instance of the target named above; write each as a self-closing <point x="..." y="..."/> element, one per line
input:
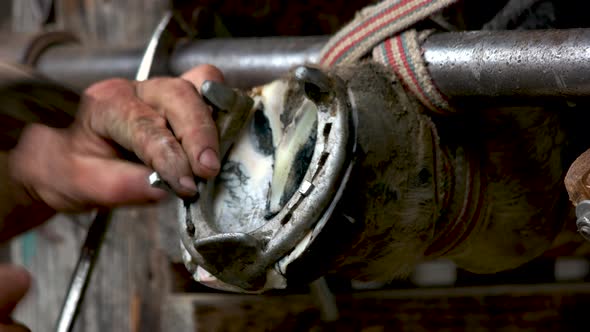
<point x="403" y="55"/>
<point x="373" y="25"/>
<point x="371" y="29"/>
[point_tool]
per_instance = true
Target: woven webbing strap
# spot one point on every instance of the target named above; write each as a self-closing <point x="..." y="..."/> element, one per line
<point x="371" y="29"/>
<point x="403" y="55"/>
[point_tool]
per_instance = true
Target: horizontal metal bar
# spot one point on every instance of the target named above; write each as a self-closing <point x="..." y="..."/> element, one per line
<point x="537" y="63"/>
<point x="79" y="67"/>
<point x="249" y="62"/>
<point x="542" y="63"/>
<point x="245" y="62"/>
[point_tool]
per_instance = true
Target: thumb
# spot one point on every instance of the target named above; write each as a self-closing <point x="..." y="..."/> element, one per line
<point x="14" y="284"/>
<point x="110" y="182"/>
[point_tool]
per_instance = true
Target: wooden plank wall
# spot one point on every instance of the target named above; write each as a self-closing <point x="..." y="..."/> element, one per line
<point x="28" y="15"/>
<point x="126" y="290"/>
<point x="103" y="22"/>
<point x="549" y="307"/>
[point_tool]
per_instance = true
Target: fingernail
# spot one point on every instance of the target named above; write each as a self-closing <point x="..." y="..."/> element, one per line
<point x="188" y="183"/>
<point x="208" y="158"/>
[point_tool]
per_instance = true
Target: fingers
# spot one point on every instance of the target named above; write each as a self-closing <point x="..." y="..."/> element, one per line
<point x="14" y="284"/>
<point x="190" y="119"/>
<point x="115" y="112"/>
<point x="137" y="115"/>
<point x="69" y="179"/>
<point x="112" y="183"/>
<point x="203" y="73"/>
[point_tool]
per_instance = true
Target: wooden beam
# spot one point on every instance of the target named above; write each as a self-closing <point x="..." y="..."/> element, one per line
<point x="121" y="22"/>
<point x="545" y="307"/>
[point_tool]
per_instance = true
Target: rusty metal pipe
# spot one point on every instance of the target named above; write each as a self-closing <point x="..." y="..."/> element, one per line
<point x="542" y="63"/>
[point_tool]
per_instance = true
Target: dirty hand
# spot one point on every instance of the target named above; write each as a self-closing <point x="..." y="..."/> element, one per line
<point x="14" y="286"/>
<point x="163" y="121"/>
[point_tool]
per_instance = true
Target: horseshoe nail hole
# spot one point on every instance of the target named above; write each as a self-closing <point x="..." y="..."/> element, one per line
<point x="327" y="130"/>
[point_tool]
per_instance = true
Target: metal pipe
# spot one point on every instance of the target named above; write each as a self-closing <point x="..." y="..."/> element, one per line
<point x="245" y="61"/>
<point x="484" y="63"/>
<point x="538" y="63"/>
<point x="79" y="67"/>
<point x="248" y="62"/>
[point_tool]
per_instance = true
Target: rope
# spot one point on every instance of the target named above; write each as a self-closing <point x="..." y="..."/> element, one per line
<point x="403" y="55"/>
<point x="379" y="28"/>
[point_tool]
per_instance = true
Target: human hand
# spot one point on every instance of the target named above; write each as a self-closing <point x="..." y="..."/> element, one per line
<point x="81" y="167"/>
<point x="15" y="284"/>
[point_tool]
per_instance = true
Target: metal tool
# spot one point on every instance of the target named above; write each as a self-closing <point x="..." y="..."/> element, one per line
<point x="94" y="239"/>
<point x="83" y="271"/>
<point x="583" y="215"/>
<point x="143" y="73"/>
<point x="578" y="187"/>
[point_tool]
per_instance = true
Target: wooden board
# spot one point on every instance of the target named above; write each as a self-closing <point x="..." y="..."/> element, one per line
<point x="127" y="285"/>
<point x="547" y="307"/>
<point x="112" y="23"/>
<point x="28" y="15"/>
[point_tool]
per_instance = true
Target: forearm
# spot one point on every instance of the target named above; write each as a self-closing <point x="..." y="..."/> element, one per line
<point x="19" y="211"/>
